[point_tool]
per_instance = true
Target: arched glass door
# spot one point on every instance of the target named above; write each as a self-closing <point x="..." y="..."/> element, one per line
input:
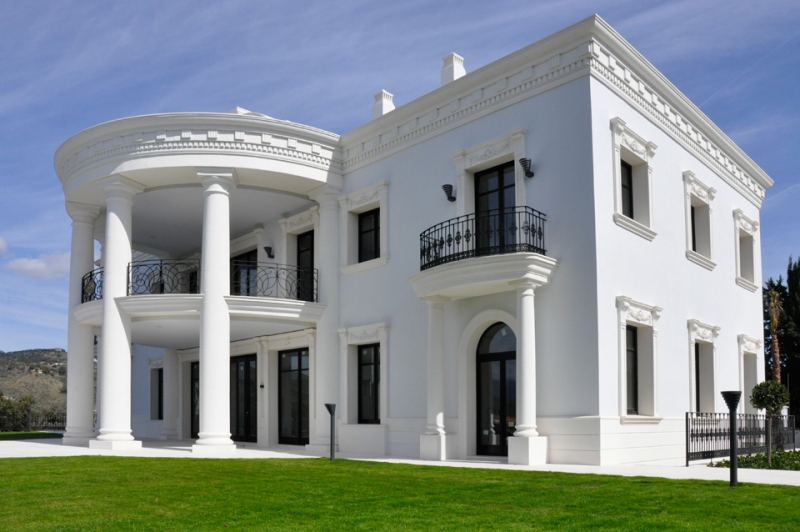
<point x="496" y="371"/>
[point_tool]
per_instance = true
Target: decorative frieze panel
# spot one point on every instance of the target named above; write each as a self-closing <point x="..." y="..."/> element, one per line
<point x="744" y="223"/>
<point x="155" y="363"/>
<point x="696" y="188"/>
<point x="365" y="334"/>
<point x="702" y="332"/>
<point x="748" y="344"/>
<point x="300" y="222"/>
<point x="631" y="311"/>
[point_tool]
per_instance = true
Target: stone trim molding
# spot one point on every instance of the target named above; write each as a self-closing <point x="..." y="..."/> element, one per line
<point x="510" y="146"/>
<point x="349" y="339"/>
<point x="350" y="206"/>
<point x="631" y="311"/>
<point x="155" y="363"/>
<point x="701" y="332"/>
<point x="744" y="223"/>
<point x="693" y="187"/>
<point x="643" y="152"/>
<point x="748" y="346"/>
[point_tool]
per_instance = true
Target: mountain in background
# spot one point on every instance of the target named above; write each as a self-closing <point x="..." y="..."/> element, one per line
<point x="39" y="373"/>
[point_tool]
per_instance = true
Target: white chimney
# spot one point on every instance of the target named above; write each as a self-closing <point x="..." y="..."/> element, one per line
<point x="453" y="68"/>
<point x="383" y="104"/>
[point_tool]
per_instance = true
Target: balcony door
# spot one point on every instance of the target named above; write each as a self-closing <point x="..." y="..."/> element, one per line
<point x="496" y="389"/>
<point x="495" y="198"/>
<point x="244" y="406"/>
<point x="305" y="266"/>
<point x="293" y="397"/>
<point x="195" y="400"/>
<point x="244" y="274"/>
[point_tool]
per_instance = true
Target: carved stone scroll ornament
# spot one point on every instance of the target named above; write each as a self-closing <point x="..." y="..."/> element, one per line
<point x="490" y="152"/>
<point x="634" y="145"/>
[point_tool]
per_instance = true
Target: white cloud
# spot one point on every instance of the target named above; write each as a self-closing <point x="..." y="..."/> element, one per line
<point x="45" y="267"/>
<point x="3" y="246"/>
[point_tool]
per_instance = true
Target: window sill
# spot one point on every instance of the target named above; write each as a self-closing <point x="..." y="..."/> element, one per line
<point x="366" y="265"/>
<point x="703" y="261"/>
<point x="744" y="283"/>
<point x="639" y="420"/>
<point x="634" y="227"/>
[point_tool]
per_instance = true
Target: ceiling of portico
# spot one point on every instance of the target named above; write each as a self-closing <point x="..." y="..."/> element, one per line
<point x="171" y="219"/>
<point x="183" y="333"/>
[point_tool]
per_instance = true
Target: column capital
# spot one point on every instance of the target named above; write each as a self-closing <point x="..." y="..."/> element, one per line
<point x="217" y="179"/>
<point x="525" y="283"/>
<point x="327" y="196"/>
<point x="117" y="186"/>
<point x="435" y="301"/>
<point x="82" y="212"/>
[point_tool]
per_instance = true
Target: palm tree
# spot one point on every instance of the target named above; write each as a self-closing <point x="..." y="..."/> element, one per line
<point x="775" y="312"/>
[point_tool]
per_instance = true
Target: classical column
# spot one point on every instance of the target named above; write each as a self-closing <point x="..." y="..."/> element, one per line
<point x="215" y="326"/>
<point x="80" y="338"/>
<point x="171" y="388"/>
<point x="115" y="342"/>
<point x="433" y="442"/>
<point x="526" y="446"/>
<point x="326" y="366"/>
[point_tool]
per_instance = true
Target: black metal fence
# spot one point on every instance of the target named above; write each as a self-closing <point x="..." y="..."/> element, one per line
<point x="30" y="420"/>
<point x="273" y="280"/>
<point x="493" y="232"/>
<point x="164" y="277"/>
<point x="708" y="434"/>
<point x="92" y="286"/>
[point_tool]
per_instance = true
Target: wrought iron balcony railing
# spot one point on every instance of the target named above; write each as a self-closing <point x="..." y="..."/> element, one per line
<point x="164" y="277"/>
<point x="92" y="286"/>
<point x="273" y="280"/>
<point x="493" y="232"/>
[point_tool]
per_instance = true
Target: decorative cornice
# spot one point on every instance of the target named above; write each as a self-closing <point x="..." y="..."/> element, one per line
<point x="365" y="334"/>
<point x="744" y="223"/>
<point x="590" y="47"/>
<point x="132" y="138"/>
<point x="694" y="187"/>
<point x="633" y="311"/>
<point x="366" y="196"/>
<point x="748" y="344"/>
<point x="702" y="331"/>
<point x="155" y="363"/>
<point x="303" y="220"/>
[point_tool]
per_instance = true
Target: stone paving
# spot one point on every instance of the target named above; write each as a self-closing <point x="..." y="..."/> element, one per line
<point x="182" y="449"/>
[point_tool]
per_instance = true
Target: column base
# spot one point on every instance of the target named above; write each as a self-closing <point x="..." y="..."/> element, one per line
<point x="433" y="447"/>
<point x="527" y="451"/>
<point x="214" y="450"/>
<point x="115" y="445"/>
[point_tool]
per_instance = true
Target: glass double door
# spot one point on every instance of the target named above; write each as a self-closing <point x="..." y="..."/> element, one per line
<point x="243" y="403"/>
<point x="244" y="400"/>
<point x="497" y="391"/>
<point x="494" y="209"/>
<point x="293" y="397"/>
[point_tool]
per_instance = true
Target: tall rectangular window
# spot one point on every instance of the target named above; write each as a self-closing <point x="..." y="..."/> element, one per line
<point x="632" y="369"/>
<point x="368" y="383"/>
<point x="694" y="229"/>
<point x="157" y="394"/>
<point x="697" y="377"/>
<point x="369" y="242"/>
<point x="627" y="189"/>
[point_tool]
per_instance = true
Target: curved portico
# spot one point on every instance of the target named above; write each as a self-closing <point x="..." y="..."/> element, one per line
<point x="187" y="193"/>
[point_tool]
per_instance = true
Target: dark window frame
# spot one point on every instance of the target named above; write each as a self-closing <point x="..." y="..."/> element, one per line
<point x="696" y="377"/>
<point x="244" y="273"/>
<point x="632" y="359"/>
<point x="372" y="235"/>
<point x="626" y="188"/>
<point x="297" y="438"/>
<point x="484" y="354"/>
<point x="246" y="410"/>
<point x="376" y="364"/>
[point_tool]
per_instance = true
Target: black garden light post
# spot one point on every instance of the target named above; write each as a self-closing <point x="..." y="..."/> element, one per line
<point x="732" y="400"/>
<point x="332" y="411"/>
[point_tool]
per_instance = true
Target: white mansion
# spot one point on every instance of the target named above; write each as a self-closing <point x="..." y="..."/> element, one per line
<point x="553" y="258"/>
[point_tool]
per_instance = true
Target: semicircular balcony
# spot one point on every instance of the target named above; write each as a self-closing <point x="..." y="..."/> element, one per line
<point x="164" y="299"/>
<point x="483" y="253"/>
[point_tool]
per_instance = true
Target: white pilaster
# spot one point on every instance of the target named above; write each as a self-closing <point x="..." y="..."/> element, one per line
<point x="115" y="365"/>
<point x="80" y="338"/>
<point x="526" y="447"/>
<point x="433" y="443"/>
<point x="326" y="367"/>
<point x="171" y="387"/>
<point x="215" y="324"/>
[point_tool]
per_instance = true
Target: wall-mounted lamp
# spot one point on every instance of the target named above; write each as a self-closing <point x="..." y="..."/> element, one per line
<point x="448" y="191"/>
<point x="268" y="251"/>
<point x="525" y="163"/>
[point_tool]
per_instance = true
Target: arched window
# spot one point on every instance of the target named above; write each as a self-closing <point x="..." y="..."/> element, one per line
<point x="496" y="370"/>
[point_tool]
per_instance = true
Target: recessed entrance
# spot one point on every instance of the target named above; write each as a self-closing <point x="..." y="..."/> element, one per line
<point x="496" y="389"/>
<point x="293" y="397"/>
<point x="244" y="406"/>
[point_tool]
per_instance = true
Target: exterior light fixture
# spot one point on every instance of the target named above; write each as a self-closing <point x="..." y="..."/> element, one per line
<point x="448" y="191"/>
<point x="268" y="251"/>
<point x="525" y="163"/>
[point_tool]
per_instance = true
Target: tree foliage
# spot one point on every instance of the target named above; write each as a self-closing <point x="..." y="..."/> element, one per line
<point x="788" y="331"/>
<point x="770" y="396"/>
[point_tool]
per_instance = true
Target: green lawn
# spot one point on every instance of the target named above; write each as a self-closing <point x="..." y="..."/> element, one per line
<point x="29" y="435"/>
<point x="93" y="493"/>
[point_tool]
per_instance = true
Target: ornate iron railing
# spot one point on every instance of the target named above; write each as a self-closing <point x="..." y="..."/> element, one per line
<point x="28" y="420"/>
<point x="164" y="277"/>
<point x="708" y="434"/>
<point x="493" y="232"/>
<point x="273" y="280"/>
<point x="92" y="286"/>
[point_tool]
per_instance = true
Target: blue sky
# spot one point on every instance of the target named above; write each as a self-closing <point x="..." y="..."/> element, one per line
<point x="69" y="65"/>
